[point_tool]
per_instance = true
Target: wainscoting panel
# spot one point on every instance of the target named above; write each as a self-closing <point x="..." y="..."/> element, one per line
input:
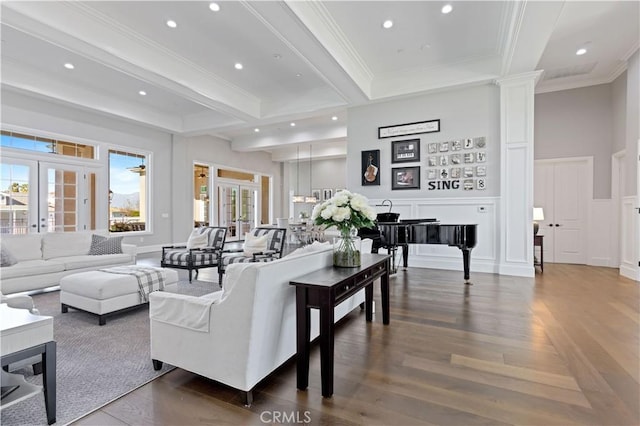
<point x="480" y="211"/>
<point x="629" y="255"/>
<point x="600" y="234"/>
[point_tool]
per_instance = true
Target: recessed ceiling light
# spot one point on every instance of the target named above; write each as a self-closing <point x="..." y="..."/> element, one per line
<point x="298" y="75"/>
<point x="292" y="124"/>
<point x="387" y="24"/>
<point x="334" y="118"/>
<point x="142" y="93"/>
<point x="581" y="51"/>
<point x="214" y="6"/>
<point x="171" y="24"/>
<point x="447" y="8"/>
<point x="238" y="66"/>
<point x="256" y="130"/>
<point x="69" y="66"/>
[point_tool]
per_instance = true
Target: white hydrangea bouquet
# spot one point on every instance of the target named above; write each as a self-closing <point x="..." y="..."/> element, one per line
<point x="348" y="212"/>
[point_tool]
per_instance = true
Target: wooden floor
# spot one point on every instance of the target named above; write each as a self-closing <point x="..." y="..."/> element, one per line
<point x="558" y="350"/>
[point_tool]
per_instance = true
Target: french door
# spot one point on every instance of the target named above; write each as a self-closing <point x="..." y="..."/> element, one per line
<point x="560" y="188"/>
<point x="40" y="196"/>
<point x="237" y="209"/>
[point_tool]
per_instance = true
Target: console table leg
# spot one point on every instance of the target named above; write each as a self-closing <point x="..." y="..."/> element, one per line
<point x="303" y="333"/>
<point x="326" y="347"/>
<point x="49" y="380"/>
<point x="384" y="294"/>
<point x="368" y="302"/>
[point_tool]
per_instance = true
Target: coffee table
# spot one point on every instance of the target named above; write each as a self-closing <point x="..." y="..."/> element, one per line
<point x="23" y="335"/>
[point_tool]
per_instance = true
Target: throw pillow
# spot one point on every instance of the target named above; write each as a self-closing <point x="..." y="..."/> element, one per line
<point x="197" y="240"/>
<point x="102" y="245"/>
<point x="6" y="258"/>
<point x="253" y="244"/>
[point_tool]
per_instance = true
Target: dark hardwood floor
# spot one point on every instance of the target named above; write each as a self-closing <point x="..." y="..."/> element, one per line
<point x="560" y="349"/>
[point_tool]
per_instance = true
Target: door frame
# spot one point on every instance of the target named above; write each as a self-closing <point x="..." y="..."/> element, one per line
<point x="79" y="165"/>
<point x="617" y="193"/>
<point x="587" y="188"/>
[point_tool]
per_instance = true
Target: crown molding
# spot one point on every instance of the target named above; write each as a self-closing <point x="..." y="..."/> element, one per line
<point x="316" y="17"/>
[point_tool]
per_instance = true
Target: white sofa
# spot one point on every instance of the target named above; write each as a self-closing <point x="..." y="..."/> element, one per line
<point x="46" y="257"/>
<point x="239" y="335"/>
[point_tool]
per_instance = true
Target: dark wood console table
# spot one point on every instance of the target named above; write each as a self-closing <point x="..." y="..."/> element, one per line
<point x="324" y="289"/>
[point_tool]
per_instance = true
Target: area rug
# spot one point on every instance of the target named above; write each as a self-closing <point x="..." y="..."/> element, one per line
<point x="95" y="364"/>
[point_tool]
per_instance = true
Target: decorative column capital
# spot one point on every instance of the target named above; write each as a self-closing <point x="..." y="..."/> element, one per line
<point x="519" y="78"/>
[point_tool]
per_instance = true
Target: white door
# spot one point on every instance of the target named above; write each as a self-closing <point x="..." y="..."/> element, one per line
<point x="46" y="197"/>
<point x="560" y="188"/>
<point x="237" y="209"/>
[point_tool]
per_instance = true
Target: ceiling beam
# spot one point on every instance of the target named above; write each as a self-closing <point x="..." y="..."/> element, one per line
<point x="79" y="28"/>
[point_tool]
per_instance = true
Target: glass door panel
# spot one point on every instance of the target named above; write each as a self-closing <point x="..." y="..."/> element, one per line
<point x="227" y="203"/>
<point x="18" y="197"/>
<point x="247" y="208"/>
<point x="62" y="199"/>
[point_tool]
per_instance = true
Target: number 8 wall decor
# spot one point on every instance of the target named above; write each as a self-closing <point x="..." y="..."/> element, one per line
<point x="457" y="164"/>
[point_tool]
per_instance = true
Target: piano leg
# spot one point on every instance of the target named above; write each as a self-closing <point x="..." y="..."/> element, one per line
<point x="405" y="255"/>
<point x="466" y="257"/>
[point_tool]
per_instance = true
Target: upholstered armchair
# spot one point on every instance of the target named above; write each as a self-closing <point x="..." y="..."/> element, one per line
<point x="260" y="245"/>
<point x="202" y="250"/>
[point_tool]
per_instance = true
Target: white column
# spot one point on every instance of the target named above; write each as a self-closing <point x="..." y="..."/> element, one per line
<point x="516" y="176"/>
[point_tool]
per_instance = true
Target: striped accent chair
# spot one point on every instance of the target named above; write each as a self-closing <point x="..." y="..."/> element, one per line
<point x="275" y="247"/>
<point x="193" y="259"/>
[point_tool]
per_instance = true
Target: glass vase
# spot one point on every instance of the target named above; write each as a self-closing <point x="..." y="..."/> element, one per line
<point x="346" y="251"/>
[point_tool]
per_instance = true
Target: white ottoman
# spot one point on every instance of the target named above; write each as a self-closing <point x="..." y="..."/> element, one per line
<point x="102" y="293"/>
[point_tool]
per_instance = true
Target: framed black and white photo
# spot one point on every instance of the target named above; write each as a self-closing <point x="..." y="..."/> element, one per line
<point x="326" y="194"/>
<point x="405" y="151"/>
<point x="317" y="194"/>
<point x="405" y="178"/>
<point x="409" y="129"/>
<point x="370" y="171"/>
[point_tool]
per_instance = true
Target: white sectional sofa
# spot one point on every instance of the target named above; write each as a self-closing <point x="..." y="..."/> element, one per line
<point x="45" y="258"/>
<point x="240" y="335"/>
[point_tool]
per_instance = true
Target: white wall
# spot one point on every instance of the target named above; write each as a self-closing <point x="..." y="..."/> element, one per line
<point x="619" y="112"/>
<point x="463" y="113"/>
<point x="214" y="151"/>
<point x="39" y="115"/>
<point x="577" y="123"/>
<point x="171" y="171"/>
<point x="326" y="174"/>
<point x="633" y="122"/>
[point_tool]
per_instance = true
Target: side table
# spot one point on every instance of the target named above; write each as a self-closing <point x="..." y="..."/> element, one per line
<point x="538" y="241"/>
<point x="23" y="335"/>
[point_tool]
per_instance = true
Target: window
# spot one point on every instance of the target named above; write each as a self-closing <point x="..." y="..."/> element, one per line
<point x="45" y="145"/>
<point x="127" y="191"/>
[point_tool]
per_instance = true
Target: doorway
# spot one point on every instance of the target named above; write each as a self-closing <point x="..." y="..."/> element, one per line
<point x="39" y="196"/>
<point x="237" y="209"/>
<point x="562" y="188"/>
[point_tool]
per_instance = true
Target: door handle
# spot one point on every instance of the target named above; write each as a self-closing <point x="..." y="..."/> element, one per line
<point x="34" y="226"/>
<point x="551" y="224"/>
<point x="557" y="224"/>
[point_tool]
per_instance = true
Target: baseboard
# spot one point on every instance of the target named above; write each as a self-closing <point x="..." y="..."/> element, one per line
<point x="450" y="264"/>
<point x="630" y="272"/>
<point x="148" y="249"/>
<point x="523" y="270"/>
<point x="600" y="261"/>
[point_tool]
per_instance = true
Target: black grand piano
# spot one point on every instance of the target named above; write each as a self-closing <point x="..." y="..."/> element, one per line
<point x="391" y="233"/>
